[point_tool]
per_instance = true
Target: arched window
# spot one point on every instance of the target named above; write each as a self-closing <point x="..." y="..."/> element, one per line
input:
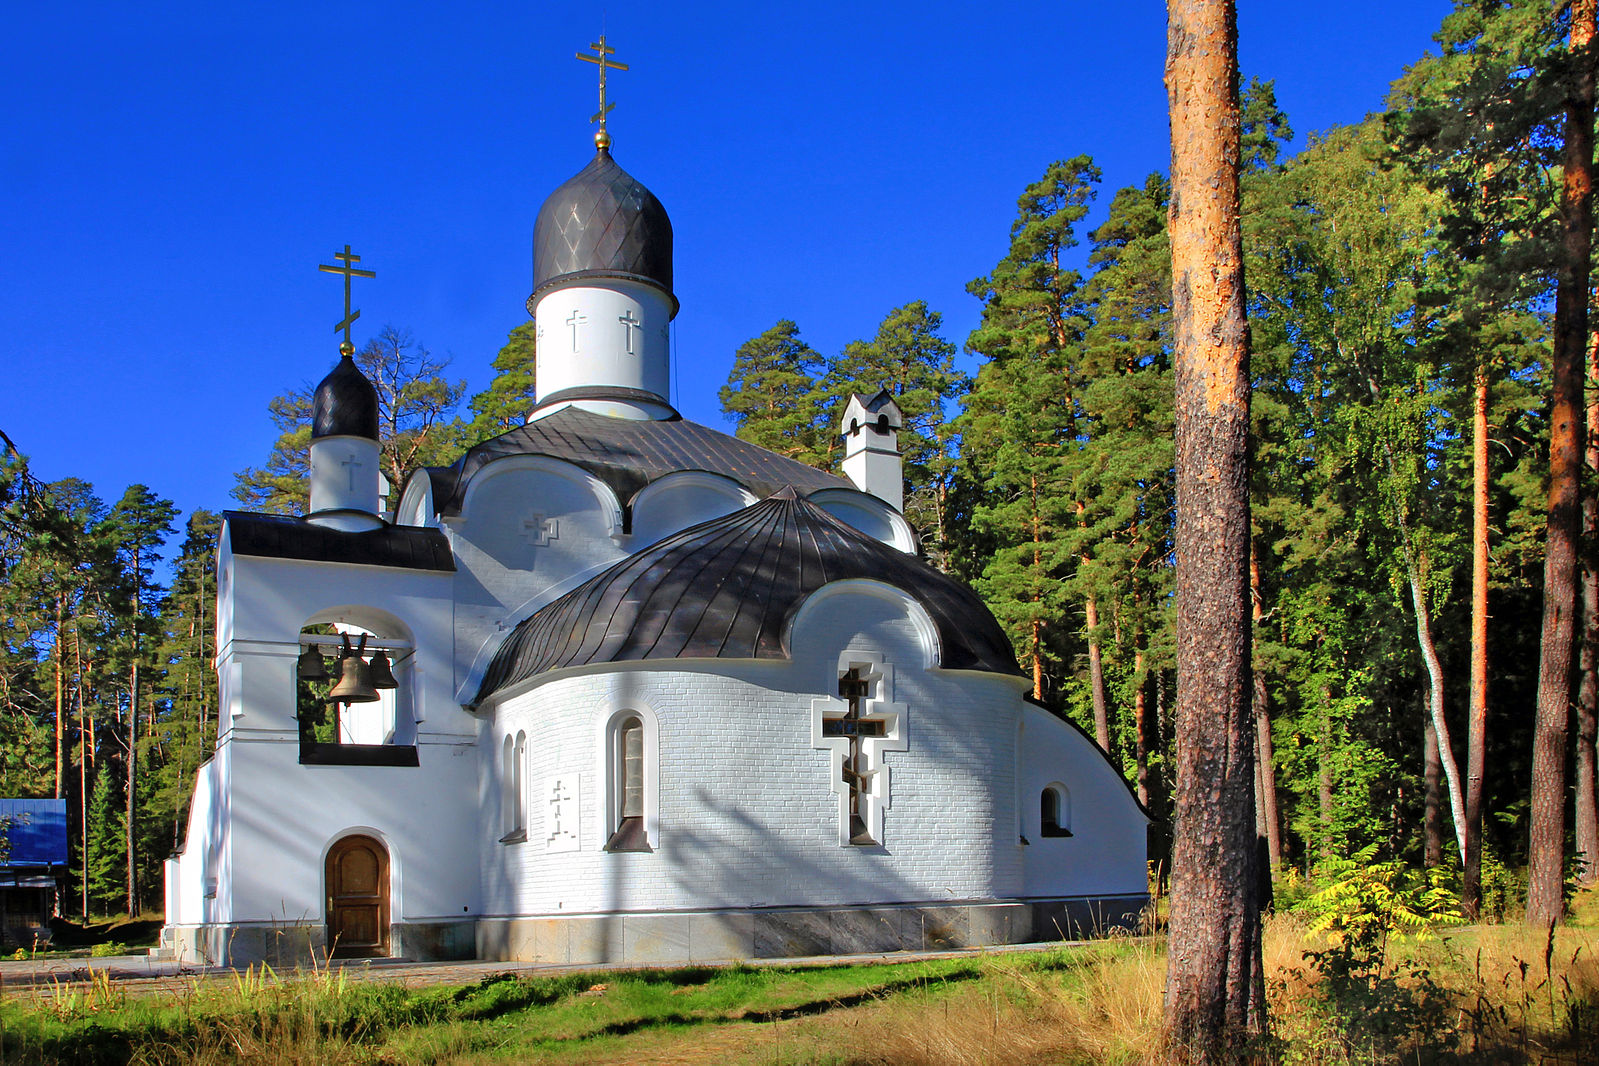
<point x="513" y="788"/>
<point x="1055" y="812"/>
<point x="627" y="783"/>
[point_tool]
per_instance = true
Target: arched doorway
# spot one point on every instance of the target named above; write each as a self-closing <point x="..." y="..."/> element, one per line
<point x="357" y="881"/>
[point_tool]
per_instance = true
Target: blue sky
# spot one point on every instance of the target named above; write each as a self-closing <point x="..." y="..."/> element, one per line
<point x="171" y="177"/>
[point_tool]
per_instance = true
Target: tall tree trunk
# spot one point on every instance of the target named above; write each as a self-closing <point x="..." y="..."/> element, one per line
<point x="133" y="742"/>
<point x="1477" y="722"/>
<point x="1432" y="813"/>
<point x="1215" y="989"/>
<point x="1038" y="626"/>
<point x="1435" y="691"/>
<point x="1141" y="728"/>
<point x="1265" y="757"/>
<point x="83" y="771"/>
<point x="56" y="654"/>
<point x="1587" y="812"/>
<point x="1096" y="679"/>
<point x="1546" y="843"/>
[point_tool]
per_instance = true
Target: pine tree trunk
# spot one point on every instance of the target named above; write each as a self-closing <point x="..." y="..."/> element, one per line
<point x="1096" y="679"/>
<point x="1477" y="722"/>
<point x="133" y="769"/>
<point x="61" y="699"/>
<point x="1546" y="843"/>
<point x="1215" y="991"/>
<point x="1141" y="724"/>
<point x="1432" y="813"/>
<point x="1587" y="804"/>
<point x="1265" y="757"/>
<point x="83" y="774"/>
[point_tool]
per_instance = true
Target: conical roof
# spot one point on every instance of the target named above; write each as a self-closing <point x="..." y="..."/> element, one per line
<point x="602" y="222"/>
<point x="345" y="404"/>
<point x="728" y="589"/>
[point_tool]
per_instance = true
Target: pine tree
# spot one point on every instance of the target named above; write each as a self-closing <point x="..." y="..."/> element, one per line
<point x="917" y="366"/>
<point x="774" y="397"/>
<point x="505" y="403"/>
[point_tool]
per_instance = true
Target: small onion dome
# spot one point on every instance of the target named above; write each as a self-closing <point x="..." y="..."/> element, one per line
<point x="345" y="404"/>
<point x="729" y="589"/>
<point x="603" y="224"/>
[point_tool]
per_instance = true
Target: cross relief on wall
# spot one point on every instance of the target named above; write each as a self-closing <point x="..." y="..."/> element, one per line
<point x="538" y="530"/>
<point x="561" y="813"/>
<point x="857" y="727"/>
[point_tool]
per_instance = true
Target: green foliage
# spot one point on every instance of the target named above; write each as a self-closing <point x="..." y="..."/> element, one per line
<point x="774" y="397"/>
<point x="505" y="403"/>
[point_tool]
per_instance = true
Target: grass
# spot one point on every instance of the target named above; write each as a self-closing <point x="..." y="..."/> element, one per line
<point x="1489" y="994"/>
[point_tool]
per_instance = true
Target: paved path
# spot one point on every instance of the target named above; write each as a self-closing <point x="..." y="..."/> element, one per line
<point x="138" y="973"/>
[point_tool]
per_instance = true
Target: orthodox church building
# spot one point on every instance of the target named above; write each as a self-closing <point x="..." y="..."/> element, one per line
<point x="616" y="686"/>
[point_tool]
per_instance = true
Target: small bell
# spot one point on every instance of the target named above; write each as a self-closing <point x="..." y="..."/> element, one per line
<point x="355" y="677"/>
<point x="311" y="667"/>
<point x="382" y="671"/>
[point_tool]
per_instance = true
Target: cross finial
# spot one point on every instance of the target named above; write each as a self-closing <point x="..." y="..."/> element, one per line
<point x="603" y="52"/>
<point x="347" y="263"/>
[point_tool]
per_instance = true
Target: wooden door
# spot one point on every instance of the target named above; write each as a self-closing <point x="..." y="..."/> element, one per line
<point x="357" y="879"/>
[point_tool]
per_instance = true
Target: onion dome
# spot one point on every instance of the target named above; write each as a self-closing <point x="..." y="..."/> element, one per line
<point x="345" y="404"/>
<point x="602" y="223"/>
<point x="729" y="589"/>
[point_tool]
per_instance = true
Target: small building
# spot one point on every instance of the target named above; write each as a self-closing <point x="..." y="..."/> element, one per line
<point x="33" y="863"/>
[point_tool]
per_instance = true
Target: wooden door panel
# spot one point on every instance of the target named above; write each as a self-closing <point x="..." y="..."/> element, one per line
<point x="357" y="877"/>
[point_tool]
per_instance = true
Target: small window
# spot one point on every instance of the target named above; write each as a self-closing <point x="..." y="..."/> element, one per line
<point x="628" y="780"/>
<point x="1054" y="812"/>
<point x="513" y="788"/>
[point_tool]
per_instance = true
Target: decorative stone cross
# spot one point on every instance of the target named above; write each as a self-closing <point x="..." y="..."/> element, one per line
<point x="629" y="324"/>
<point x="576" y="319"/>
<point x="352" y="464"/>
<point x="538" y="530"/>
<point x="560" y="815"/>
<point x="853" y="724"/>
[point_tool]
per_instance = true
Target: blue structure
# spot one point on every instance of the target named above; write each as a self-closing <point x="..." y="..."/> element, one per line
<point x="33" y="861"/>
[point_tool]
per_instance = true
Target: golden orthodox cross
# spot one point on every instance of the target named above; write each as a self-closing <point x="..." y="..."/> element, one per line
<point x="602" y="55"/>
<point x="347" y="268"/>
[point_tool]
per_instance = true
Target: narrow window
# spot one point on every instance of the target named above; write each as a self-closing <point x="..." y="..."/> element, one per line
<point x="627" y="775"/>
<point x="513" y="793"/>
<point x="1054" y="812"/>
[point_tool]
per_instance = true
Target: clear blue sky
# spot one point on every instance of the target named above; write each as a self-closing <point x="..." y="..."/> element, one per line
<point x="171" y="175"/>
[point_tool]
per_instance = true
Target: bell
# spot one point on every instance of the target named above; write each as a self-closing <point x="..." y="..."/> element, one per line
<point x="382" y="671"/>
<point x="355" y="677"/>
<point x="311" y="667"/>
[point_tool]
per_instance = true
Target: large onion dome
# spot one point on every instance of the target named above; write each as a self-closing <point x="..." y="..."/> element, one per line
<point x="345" y="404"/>
<point x="602" y="223"/>
<point x="729" y="589"/>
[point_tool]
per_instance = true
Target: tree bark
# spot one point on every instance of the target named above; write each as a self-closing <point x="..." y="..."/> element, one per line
<point x="1546" y="843"/>
<point x="1265" y="757"/>
<point x="1587" y="804"/>
<point x="1096" y="679"/>
<point x="1215" y="991"/>
<point x="1432" y="814"/>
<point x="60" y="680"/>
<point x="1477" y="721"/>
<point x="1141" y="728"/>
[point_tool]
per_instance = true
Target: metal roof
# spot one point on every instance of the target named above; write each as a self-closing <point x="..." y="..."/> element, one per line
<point x="602" y="223"/>
<point x="627" y="454"/>
<point x="36" y="831"/>
<point x="728" y="589"/>
<point x="272" y="536"/>
<point x="345" y="404"/>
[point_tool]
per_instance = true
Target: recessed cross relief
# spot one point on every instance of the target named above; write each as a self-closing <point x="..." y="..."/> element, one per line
<point x="539" y="531"/>
<point x="575" y="320"/>
<point x="857" y="728"/>
<point x="629" y="324"/>
<point x="853" y="726"/>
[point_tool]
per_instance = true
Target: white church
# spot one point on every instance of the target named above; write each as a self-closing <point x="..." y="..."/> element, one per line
<point x="618" y="687"/>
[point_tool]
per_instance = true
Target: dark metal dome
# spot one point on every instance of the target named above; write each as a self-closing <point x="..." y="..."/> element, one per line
<point x="728" y="589"/>
<point x="345" y="404"/>
<point x="602" y="223"/>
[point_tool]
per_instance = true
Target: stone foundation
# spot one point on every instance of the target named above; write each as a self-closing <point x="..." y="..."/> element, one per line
<point x="680" y="937"/>
<point x="722" y="936"/>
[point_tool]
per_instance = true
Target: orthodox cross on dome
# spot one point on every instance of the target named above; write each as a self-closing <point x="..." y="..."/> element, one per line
<point x="347" y="267"/>
<point x="629" y="324"/>
<point x="603" y="52"/>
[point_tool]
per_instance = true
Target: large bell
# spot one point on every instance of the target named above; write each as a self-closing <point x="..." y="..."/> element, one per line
<point x="311" y="667"/>
<point x="355" y="677"/>
<point x="382" y="671"/>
